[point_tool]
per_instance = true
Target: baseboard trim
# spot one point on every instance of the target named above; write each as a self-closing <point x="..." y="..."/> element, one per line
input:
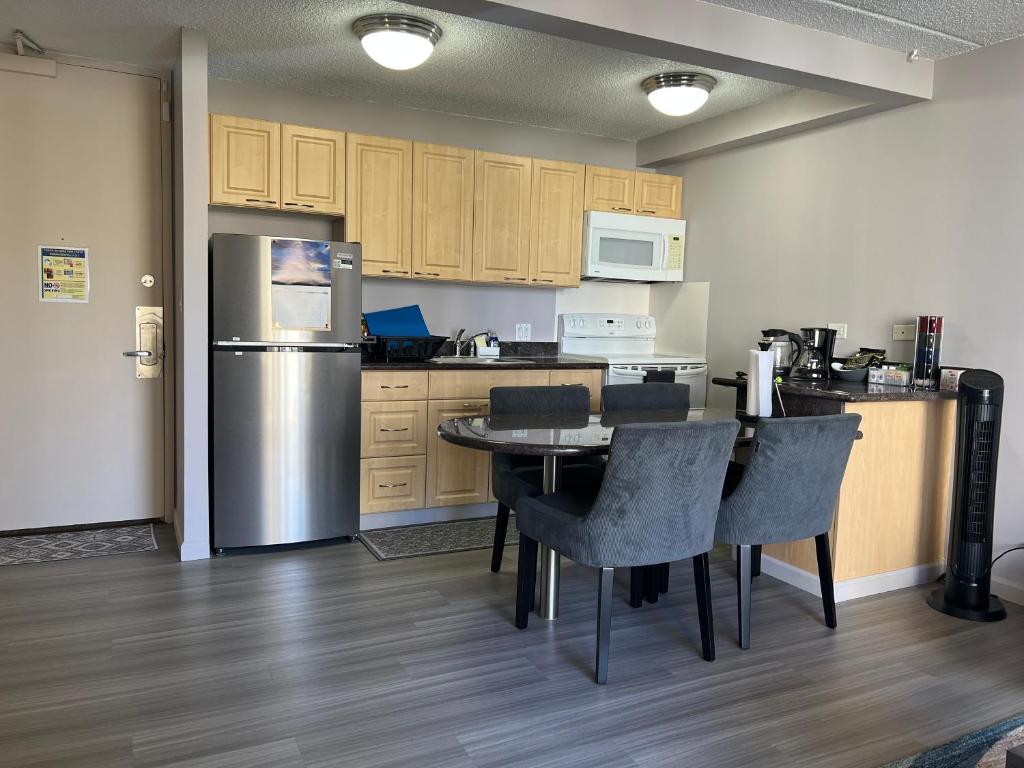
<point x="80" y="527"/>
<point x="851" y="589"/>
<point x="430" y="515"/>
<point x="193" y="550"/>
<point x="1007" y="590"/>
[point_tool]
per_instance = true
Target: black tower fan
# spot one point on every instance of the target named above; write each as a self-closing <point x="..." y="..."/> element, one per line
<point x="968" y="564"/>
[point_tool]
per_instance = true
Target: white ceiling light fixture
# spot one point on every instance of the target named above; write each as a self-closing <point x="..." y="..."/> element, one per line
<point x="678" y="93"/>
<point x="397" y="41"/>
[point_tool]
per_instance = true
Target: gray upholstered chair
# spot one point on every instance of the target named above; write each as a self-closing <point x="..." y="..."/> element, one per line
<point x="650" y="396"/>
<point x="658" y="503"/>
<point x="788" y="492"/>
<point x="647" y="583"/>
<point x="516" y="477"/>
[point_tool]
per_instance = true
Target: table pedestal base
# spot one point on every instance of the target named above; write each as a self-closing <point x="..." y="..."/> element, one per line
<point x="550" y="561"/>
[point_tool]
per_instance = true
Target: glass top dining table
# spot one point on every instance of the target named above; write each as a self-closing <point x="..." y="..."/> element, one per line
<point x="555" y="437"/>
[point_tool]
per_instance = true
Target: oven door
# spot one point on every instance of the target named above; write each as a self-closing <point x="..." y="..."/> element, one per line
<point x="696" y="376"/>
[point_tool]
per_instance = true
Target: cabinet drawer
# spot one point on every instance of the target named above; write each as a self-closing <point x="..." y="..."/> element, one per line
<point x="394" y="429"/>
<point x="445" y="385"/>
<point x="387" y="385"/>
<point x="591" y="378"/>
<point x="388" y="485"/>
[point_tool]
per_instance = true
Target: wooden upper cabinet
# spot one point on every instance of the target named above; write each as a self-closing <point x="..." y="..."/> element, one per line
<point x="245" y="162"/>
<point x="659" y="195"/>
<point x="379" y="203"/>
<point x="501" y="218"/>
<point x="610" y="189"/>
<point x="556" y="223"/>
<point x="442" y="212"/>
<point x="312" y="170"/>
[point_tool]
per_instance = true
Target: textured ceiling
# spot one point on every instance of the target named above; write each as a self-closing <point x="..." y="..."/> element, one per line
<point x="479" y="69"/>
<point x="939" y="28"/>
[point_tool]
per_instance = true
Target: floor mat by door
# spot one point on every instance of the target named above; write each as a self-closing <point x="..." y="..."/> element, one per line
<point x="69" y="545"/>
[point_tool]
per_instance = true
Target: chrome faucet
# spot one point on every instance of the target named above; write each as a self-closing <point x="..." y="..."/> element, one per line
<point x="460" y="342"/>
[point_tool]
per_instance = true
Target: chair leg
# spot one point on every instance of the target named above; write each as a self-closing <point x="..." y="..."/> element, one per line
<point x="525" y="580"/>
<point x="702" y="578"/>
<point x="743" y="557"/>
<point x="636" y="586"/>
<point x="650" y="584"/>
<point x="500" y="531"/>
<point x="828" y="596"/>
<point x="604" y="623"/>
<point x="755" y="560"/>
<point x="662" y="571"/>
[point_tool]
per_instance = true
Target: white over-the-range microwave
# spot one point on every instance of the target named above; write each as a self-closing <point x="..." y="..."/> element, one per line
<point x="644" y="249"/>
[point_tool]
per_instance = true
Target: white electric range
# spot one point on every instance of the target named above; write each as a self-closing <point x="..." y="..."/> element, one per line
<point x="627" y="343"/>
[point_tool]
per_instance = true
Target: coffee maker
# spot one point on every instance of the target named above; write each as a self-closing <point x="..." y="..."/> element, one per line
<point x="786" y="348"/>
<point x="816" y="357"/>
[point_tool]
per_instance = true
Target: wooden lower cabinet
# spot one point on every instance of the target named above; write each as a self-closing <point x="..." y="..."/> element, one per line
<point x="591" y="378"/>
<point x="391" y="484"/>
<point x="456" y="475"/>
<point x="397" y="428"/>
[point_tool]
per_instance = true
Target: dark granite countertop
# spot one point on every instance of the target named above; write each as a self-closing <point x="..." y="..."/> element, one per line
<point x="846" y="391"/>
<point x="512" y="363"/>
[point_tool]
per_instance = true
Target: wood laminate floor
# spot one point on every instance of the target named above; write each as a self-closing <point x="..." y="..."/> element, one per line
<point x="326" y="657"/>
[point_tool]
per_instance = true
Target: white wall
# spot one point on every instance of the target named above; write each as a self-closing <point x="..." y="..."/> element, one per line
<point x="446" y="306"/>
<point x="871" y="222"/>
<point x="191" y="191"/>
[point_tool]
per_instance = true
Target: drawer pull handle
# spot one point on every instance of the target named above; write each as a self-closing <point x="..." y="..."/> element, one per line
<point x="394" y="386"/>
<point x="302" y="205"/>
<point x="391" y="485"/>
<point x="395" y="271"/>
<point x="644" y="210"/>
<point x="429" y="274"/>
<point x="517" y="279"/>
<point x="394" y="429"/>
<point x="620" y="208"/>
<point x="544" y="280"/>
<point x="257" y="200"/>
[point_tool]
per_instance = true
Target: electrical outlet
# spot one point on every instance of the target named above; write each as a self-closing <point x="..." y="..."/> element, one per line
<point x="839" y="328"/>
<point x="903" y="332"/>
<point x="522" y="331"/>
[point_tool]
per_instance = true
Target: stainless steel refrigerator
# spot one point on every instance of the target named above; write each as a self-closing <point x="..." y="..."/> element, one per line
<point x="284" y="389"/>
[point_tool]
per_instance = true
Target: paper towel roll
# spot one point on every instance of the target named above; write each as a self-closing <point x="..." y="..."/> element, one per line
<point x="760" y="378"/>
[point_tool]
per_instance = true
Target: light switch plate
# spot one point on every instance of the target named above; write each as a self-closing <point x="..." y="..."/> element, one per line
<point x="522" y="331"/>
<point x="903" y="332"/>
<point x="839" y="328"/>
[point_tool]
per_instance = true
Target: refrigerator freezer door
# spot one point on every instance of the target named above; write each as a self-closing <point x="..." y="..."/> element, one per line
<point x="243" y="271"/>
<point x="285" y="447"/>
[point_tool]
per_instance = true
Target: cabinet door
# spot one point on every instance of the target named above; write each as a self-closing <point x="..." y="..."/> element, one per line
<point x="455" y="475"/>
<point x="501" y="219"/>
<point x="388" y="485"/>
<point x="393" y="428"/>
<point x="609" y="189"/>
<point x="659" y="195"/>
<point x="556" y="233"/>
<point x="442" y="212"/>
<point x="378" y="197"/>
<point x="312" y="170"/>
<point x="245" y="162"/>
<point x="591" y="378"/>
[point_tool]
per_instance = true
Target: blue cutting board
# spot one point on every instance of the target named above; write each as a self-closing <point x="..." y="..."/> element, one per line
<point x="401" y="321"/>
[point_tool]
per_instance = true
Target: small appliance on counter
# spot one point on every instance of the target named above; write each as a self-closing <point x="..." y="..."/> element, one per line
<point x="814" y="360"/>
<point x="927" y="346"/>
<point x="786" y="348"/>
<point x="624" y="247"/>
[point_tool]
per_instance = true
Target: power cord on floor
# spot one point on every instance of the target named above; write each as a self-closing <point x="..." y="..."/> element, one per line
<point x="991" y="565"/>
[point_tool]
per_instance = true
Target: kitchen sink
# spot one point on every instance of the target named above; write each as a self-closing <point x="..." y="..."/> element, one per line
<point x="482" y="361"/>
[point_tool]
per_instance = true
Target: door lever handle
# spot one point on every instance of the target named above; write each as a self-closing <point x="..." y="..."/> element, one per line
<point x="137" y="353"/>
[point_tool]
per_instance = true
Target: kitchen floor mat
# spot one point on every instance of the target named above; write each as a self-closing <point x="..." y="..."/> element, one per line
<point x="436" y="538"/>
<point x="70" y="545"/>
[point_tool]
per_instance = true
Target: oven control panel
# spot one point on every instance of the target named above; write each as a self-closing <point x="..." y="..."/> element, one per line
<point x="595" y="325"/>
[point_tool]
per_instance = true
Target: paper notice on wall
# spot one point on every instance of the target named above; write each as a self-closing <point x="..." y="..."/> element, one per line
<point x="300" y="292"/>
<point x="63" y="274"/>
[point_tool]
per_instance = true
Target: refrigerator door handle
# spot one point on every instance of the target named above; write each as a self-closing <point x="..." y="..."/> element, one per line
<point x="299" y="345"/>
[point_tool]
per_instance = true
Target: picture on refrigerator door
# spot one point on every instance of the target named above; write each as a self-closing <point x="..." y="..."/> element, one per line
<point x="300" y="276"/>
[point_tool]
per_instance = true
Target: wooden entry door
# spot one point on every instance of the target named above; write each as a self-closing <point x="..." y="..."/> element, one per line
<point x="83" y="437"/>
